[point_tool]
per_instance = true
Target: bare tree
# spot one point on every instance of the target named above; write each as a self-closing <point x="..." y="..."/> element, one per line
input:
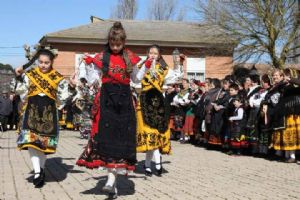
<point x="181" y="14"/>
<point x="261" y="27"/>
<point x="165" y="10"/>
<point x="125" y="9"/>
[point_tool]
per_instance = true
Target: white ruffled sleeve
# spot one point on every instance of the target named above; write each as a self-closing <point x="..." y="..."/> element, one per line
<point x="64" y="92"/>
<point x="22" y="87"/>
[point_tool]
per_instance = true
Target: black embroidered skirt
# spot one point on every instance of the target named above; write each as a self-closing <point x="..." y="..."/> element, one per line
<point x="114" y="146"/>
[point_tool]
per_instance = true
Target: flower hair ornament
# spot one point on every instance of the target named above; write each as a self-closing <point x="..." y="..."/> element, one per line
<point x="32" y="56"/>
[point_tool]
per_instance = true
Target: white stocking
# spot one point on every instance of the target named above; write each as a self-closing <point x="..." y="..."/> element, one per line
<point x="292" y="154"/>
<point x="111" y="178"/>
<point x="157" y="158"/>
<point x="43" y="158"/>
<point x="35" y="161"/>
<point x="149" y="156"/>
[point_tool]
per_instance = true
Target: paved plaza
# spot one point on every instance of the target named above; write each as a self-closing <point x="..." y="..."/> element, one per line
<point x="190" y="173"/>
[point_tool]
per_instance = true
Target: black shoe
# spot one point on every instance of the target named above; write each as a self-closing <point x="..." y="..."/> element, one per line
<point x="230" y="152"/>
<point x="159" y="171"/>
<point x="148" y="171"/>
<point x="40" y="180"/>
<point x="290" y="160"/>
<point x="111" y="191"/>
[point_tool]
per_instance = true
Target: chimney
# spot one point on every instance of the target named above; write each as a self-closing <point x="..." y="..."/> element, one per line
<point x="96" y="19"/>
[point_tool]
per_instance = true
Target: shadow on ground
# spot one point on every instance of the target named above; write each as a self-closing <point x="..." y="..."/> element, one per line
<point x="125" y="186"/>
<point x="56" y="170"/>
<point x="139" y="169"/>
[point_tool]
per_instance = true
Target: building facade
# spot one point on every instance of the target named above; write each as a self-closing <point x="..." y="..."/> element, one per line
<point x="208" y="49"/>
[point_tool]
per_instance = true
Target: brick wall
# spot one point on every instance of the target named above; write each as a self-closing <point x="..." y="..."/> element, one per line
<point x="218" y="67"/>
<point x="65" y="63"/>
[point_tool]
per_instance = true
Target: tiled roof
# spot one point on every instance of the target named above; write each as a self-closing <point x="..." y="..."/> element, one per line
<point x="165" y="33"/>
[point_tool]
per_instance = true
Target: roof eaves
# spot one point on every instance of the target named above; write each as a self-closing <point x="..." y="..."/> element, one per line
<point x="72" y="40"/>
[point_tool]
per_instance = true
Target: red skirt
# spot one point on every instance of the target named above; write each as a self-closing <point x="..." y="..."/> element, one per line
<point x="188" y="127"/>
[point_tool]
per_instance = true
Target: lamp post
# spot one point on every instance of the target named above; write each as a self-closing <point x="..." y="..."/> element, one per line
<point x="176" y="58"/>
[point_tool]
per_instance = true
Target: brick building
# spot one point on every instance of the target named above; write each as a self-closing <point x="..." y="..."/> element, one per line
<point x="208" y="49"/>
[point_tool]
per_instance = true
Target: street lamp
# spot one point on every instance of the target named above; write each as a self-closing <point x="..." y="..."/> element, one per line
<point x="176" y="58"/>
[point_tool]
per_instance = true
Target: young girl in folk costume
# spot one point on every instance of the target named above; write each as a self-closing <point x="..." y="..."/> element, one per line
<point x="181" y="102"/>
<point x="42" y="89"/>
<point x="237" y="125"/>
<point x="189" y="125"/>
<point x="113" y="138"/>
<point x="153" y="132"/>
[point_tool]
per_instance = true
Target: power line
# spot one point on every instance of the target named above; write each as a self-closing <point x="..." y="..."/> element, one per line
<point x="10" y="47"/>
<point x="12" y="55"/>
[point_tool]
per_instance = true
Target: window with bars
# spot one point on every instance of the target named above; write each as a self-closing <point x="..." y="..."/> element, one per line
<point x="195" y="68"/>
<point x="195" y="75"/>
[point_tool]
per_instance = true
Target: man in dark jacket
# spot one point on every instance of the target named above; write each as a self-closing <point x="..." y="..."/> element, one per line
<point x="5" y="109"/>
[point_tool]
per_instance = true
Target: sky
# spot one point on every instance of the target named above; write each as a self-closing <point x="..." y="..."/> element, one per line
<point x="26" y="21"/>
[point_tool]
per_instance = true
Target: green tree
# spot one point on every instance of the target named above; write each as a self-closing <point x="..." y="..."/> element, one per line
<point x="6" y="67"/>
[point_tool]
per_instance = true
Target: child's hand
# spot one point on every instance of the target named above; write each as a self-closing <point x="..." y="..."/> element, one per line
<point x="87" y="59"/>
<point x="148" y="63"/>
<point x="19" y="71"/>
<point x="217" y="108"/>
<point x="182" y="58"/>
<point x="265" y="109"/>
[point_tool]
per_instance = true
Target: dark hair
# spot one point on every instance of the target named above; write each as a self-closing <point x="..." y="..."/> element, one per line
<point x="186" y="80"/>
<point x="216" y="82"/>
<point x="238" y="98"/>
<point x="161" y="61"/>
<point x="195" y="81"/>
<point x="46" y="52"/>
<point x="266" y="79"/>
<point x="241" y="80"/>
<point x="234" y="86"/>
<point x="208" y="79"/>
<point x="254" y="78"/>
<point x="156" y="47"/>
<point x="117" y="32"/>
<point x="225" y="81"/>
<point x="229" y="78"/>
